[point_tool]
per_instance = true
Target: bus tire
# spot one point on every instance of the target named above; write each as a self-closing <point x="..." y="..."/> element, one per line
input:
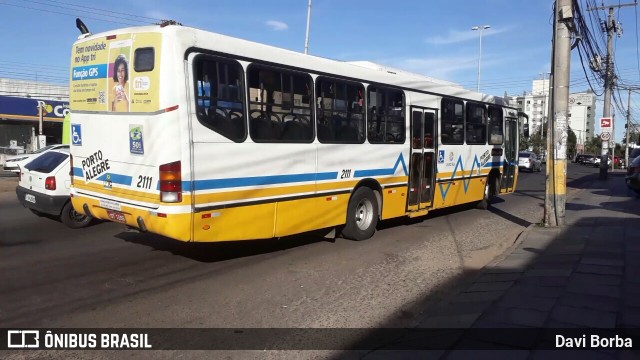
<point x="362" y="215"/>
<point x="72" y="218"/>
<point x="490" y="189"/>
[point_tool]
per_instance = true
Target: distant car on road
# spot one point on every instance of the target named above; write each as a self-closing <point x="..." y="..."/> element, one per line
<point x="588" y="160"/>
<point x="597" y="160"/>
<point x="529" y="161"/>
<point x="14" y="162"/>
<point x="43" y="188"/>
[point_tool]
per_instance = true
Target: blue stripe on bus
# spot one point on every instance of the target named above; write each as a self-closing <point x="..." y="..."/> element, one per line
<point x="382" y="172"/>
<point x="261" y="180"/>
<point x="116" y="178"/>
<point x="78" y="172"/>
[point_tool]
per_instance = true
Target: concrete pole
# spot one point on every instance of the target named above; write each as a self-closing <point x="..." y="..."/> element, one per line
<point x="306" y="39"/>
<point x="608" y="85"/>
<point x="555" y="199"/>
<point x="626" y="148"/>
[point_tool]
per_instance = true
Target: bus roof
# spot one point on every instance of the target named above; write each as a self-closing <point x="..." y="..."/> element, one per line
<point x="364" y="71"/>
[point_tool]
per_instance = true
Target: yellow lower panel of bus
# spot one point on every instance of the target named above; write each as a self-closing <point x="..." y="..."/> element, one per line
<point x="459" y="191"/>
<point x="298" y="216"/>
<point x="175" y="226"/>
<point x="236" y="223"/>
<point x="394" y="202"/>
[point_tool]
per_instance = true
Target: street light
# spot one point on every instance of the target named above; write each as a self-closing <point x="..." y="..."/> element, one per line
<point x="480" y="28"/>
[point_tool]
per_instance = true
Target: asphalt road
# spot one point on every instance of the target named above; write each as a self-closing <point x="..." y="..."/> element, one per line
<point x="107" y="276"/>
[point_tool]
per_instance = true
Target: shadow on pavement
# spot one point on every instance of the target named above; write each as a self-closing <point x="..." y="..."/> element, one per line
<point x="221" y="251"/>
<point x="583" y="276"/>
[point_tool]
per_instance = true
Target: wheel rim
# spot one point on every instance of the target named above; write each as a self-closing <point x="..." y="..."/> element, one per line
<point x="364" y="214"/>
<point x="76" y="216"/>
<point x="486" y="189"/>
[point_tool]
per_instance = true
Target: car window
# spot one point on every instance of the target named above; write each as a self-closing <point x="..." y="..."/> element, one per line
<point x="524" y="155"/>
<point x="47" y="162"/>
<point x="635" y="153"/>
<point x="636" y="162"/>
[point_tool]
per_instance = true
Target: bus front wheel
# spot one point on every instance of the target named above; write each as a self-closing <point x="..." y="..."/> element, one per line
<point x="362" y="215"/>
<point x="491" y="188"/>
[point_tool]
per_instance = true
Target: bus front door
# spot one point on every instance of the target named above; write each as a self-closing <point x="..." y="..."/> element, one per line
<point x="422" y="167"/>
<point x="510" y="160"/>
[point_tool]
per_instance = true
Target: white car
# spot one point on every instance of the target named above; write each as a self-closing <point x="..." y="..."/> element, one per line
<point x="528" y="160"/>
<point x="43" y="187"/>
<point x="15" y="162"/>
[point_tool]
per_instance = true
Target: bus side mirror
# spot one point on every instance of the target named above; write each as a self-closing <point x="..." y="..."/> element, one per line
<point x="525" y="130"/>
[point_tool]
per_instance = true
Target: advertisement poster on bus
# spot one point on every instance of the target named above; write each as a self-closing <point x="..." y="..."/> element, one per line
<point x="104" y="78"/>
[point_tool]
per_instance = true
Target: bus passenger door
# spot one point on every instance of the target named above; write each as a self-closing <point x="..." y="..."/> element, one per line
<point x="422" y="167"/>
<point x="510" y="160"/>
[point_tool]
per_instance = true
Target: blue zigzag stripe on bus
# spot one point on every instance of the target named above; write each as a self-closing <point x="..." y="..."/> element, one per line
<point x="381" y="172"/>
<point x="261" y="180"/>
<point x="116" y="178"/>
<point x="465" y="182"/>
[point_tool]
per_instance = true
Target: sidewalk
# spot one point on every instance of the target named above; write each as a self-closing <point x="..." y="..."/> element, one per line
<point x="585" y="274"/>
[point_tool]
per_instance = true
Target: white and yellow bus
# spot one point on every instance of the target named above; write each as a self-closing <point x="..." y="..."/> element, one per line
<point x="203" y="137"/>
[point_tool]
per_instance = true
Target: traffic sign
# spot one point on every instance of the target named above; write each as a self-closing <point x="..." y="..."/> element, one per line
<point x="605" y="123"/>
<point x="605" y="136"/>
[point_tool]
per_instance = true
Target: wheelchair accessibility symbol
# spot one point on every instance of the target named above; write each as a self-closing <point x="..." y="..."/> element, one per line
<point x="440" y="156"/>
<point x="76" y="134"/>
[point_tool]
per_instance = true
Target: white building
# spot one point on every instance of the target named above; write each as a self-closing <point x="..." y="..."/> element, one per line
<point x="582" y="109"/>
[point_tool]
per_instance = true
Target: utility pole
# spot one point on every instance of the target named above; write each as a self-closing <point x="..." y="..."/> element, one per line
<point x="628" y="128"/>
<point x="556" y="183"/>
<point x="611" y="28"/>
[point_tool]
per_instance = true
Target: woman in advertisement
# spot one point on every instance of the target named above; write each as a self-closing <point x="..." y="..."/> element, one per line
<point x="119" y="95"/>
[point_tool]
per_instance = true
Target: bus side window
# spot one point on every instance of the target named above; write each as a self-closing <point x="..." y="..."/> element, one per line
<point x="219" y="105"/>
<point x="476" y="124"/>
<point x="452" y="122"/>
<point x="386" y="120"/>
<point x="496" y="125"/>
<point x="279" y="105"/>
<point x="340" y="114"/>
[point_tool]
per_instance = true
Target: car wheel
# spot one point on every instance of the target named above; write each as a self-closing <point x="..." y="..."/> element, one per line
<point x="72" y="218"/>
<point x="362" y="215"/>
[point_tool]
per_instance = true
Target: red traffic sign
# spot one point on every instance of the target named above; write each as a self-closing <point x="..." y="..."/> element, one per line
<point x="605" y="123"/>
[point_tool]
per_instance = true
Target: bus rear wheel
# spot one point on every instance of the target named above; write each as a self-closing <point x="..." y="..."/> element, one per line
<point x="362" y="215"/>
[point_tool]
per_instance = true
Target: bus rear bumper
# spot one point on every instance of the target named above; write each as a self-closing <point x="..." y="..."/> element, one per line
<point x="169" y="223"/>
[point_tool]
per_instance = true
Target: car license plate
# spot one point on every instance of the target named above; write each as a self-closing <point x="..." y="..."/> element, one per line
<point x="30" y="198"/>
<point x="116" y="216"/>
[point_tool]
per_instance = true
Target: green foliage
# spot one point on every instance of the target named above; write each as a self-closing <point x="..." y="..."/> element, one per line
<point x="572" y="140"/>
<point x="593" y="146"/>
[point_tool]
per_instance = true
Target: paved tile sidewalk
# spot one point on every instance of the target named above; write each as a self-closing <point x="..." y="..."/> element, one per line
<point x="585" y="274"/>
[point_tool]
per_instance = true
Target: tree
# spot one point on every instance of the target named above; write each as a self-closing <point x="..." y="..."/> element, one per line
<point x="572" y="140"/>
<point x="593" y="145"/>
<point x="538" y="143"/>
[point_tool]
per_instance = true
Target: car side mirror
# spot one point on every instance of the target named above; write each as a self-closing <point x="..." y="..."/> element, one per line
<point x="525" y="130"/>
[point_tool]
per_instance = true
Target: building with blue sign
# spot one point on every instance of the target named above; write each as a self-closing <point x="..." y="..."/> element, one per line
<point x="20" y="103"/>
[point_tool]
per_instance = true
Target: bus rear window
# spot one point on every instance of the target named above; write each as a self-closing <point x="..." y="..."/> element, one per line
<point x="143" y="59"/>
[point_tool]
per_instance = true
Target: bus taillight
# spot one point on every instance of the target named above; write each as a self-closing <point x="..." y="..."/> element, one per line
<point x="171" y="182"/>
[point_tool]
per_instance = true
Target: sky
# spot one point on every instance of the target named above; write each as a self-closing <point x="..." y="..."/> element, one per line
<point x="431" y="37"/>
